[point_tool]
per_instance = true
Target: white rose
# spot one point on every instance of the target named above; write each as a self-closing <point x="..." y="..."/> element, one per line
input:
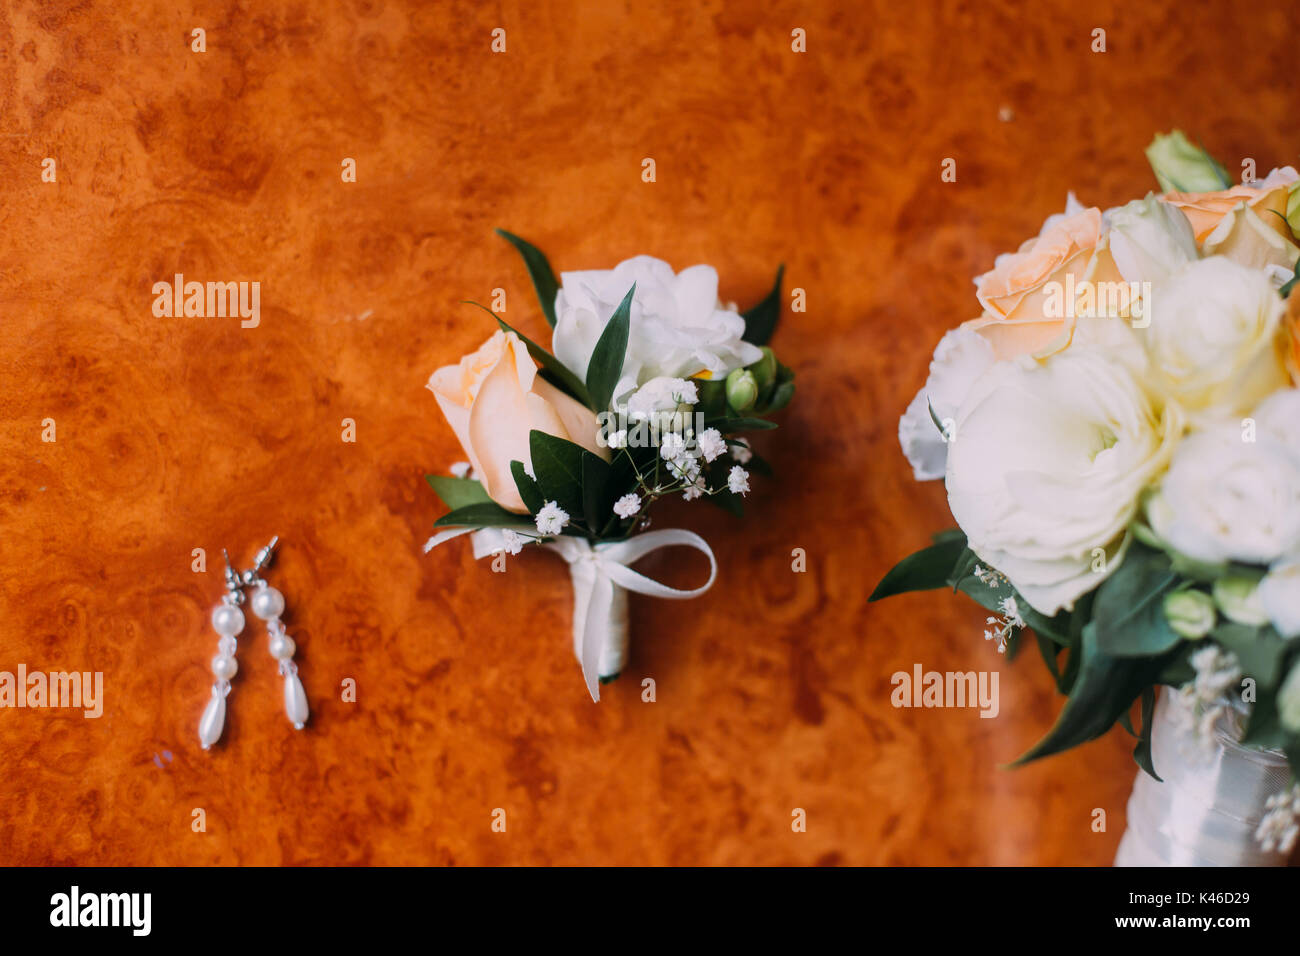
<point x="1048" y="466"/>
<point x="678" y="327"/>
<point x="1228" y="499"/>
<point x="1149" y="239"/>
<point x="962" y="356"/>
<point x="1213" y="339"/>
<point x="1279" y="592"/>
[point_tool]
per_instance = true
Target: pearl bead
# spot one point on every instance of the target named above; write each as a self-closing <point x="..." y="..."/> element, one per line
<point x="295" y="701"/>
<point x="213" y="720"/>
<point x="282" y="647"/>
<point x="267" y="603"/>
<point x="224" y="667"/>
<point x="227" y="619"/>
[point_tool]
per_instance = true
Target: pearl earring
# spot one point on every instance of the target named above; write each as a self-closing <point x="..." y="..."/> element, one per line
<point x="228" y="621"/>
<point x="268" y="604"/>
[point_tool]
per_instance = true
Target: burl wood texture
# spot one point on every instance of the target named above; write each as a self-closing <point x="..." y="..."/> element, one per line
<point x="773" y="691"/>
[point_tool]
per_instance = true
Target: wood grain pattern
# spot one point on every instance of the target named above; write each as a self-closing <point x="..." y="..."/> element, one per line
<point x="174" y="434"/>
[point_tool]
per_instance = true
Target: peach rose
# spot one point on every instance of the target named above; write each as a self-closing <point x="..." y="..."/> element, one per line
<point x="1015" y="292"/>
<point x="493" y="398"/>
<point x="1204" y="210"/>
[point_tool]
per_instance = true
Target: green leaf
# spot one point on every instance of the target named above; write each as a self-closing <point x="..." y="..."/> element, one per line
<point x="781" y="397"/>
<point x="1264" y="728"/>
<point x="606" y="363"/>
<point x="758" y="465"/>
<point x="1259" y="649"/>
<point x="964" y="567"/>
<point x="557" y="463"/>
<point x="528" y="490"/>
<point x="595" y="479"/>
<point x="539" y="270"/>
<point x="481" y="515"/>
<point x="924" y="570"/>
<point x="1049" y="650"/>
<point x="1105" y="687"/>
<point x="1177" y="669"/>
<point x="552" y="369"/>
<point x="457" y="492"/>
<point x="760" y="321"/>
<point x="1129" y="613"/>
<point x="1142" y="752"/>
<point x="729" y="502"/>
<point x="1290" y="284"/>
<point x="729" y="426"/>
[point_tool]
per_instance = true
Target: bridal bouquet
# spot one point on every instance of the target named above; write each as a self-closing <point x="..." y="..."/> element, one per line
<point x="649" y="384"/>
<point x="1119" y="434"/>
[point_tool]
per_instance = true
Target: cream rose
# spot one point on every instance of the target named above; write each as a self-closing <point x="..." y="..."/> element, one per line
<point x="679" y="329"/>
<point x="1047" y="466"/>
<point x="492" y="399"/>
<point x="1214" y="339"/>
<point x="1227" y="497"/>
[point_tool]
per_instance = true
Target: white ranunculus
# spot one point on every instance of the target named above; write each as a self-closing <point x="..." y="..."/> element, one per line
<point x="679" y="329"/>
<point x="1226" y="498"/>
<point x="1279" y="592"/>
<point x="1048" y="465"/>
<point x="1213" y="339"/>
<point x="962" y="356"/>
<point x="1150" y="240"/>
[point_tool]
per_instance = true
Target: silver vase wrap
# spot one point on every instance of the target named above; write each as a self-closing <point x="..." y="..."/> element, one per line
<point x="1211" y="801"/>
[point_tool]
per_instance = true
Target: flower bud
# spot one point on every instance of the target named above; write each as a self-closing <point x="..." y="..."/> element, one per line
<point x="765" y="368"/>
<point x="1238" y="598"/>
<point x="1190" y="613"/>
<point x="742" y="389"/>
<point x="1182" y="166"/>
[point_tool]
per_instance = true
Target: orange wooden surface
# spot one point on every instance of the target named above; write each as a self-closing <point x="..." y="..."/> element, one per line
<point x="175" y="434"/>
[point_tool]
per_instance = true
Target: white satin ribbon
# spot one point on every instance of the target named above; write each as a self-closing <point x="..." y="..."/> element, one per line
<point x="1211" y="801"/>
<point x="596" y="571"/>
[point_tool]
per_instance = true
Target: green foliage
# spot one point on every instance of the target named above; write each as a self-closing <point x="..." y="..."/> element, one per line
<point x="760" y="321"/>
<point x="457" y="492"/>
<point x="606" y="364"/>
<point x="1129" y="610"/>
<point x="482" y="515"/>
<point x="539" y="270"/>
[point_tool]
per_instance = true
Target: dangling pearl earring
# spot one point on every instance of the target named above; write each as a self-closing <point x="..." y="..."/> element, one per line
<point x="228" y="621"/>
<point x="268" y="604"/>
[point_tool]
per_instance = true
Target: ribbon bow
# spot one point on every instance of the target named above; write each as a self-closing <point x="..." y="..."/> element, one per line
<point x="595" y="571"/>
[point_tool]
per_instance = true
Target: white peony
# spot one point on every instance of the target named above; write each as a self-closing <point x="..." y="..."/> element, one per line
<point x="962" y="356"/>
<point x="1047" y="467"/>
<point x="1149" y="240"/>
<point x="1213" y="339"/>
<point x="678" y="327"/>
<point x="1227" y="498"/>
